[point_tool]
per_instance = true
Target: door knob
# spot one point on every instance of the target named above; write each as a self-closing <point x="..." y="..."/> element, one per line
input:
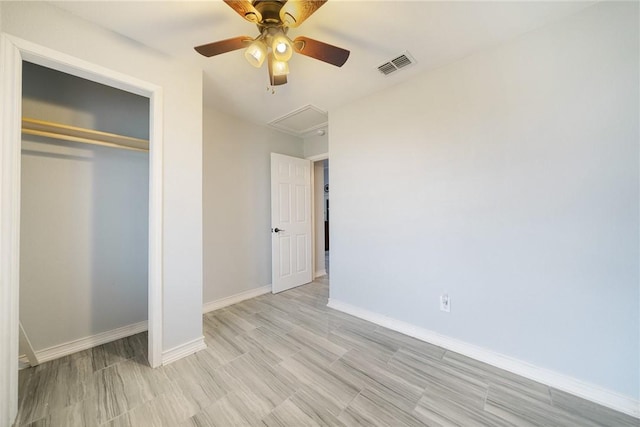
<point x="277" y="230"/>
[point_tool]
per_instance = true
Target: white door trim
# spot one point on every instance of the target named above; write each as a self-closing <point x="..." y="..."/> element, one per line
<point x="13" y="51"/>
<point x="10" y="112"/>
<point x="316" y="158"/>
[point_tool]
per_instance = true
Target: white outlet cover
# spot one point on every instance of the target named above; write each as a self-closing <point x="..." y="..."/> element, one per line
<point x="445" y="303"/>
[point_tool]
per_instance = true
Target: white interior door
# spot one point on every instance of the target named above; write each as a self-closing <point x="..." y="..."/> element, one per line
<point x="290" y="222"/>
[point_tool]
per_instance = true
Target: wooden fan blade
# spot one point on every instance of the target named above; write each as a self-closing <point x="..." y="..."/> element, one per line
<point x="295" y="12"/>
<point x="324" y="52"/>
<point x="245" y="9"/>
<point x="274" y="80"/>
<point x="223" y="46"/>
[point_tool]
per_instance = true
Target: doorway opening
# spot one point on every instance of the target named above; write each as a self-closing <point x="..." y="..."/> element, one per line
<point x="321" y="217"/>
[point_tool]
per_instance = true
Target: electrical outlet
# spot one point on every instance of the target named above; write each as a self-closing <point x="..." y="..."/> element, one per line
<point x="445" y="303"/>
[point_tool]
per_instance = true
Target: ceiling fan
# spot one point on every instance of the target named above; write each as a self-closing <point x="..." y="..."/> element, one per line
<point x="274" y="18"/>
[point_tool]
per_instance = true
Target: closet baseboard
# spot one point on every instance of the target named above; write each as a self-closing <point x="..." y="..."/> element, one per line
<point x="82" y="344"/>
<point x="65" y="349"/>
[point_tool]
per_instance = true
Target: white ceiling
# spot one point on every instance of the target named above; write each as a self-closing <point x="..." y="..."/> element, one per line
<point x="435" y="33"/>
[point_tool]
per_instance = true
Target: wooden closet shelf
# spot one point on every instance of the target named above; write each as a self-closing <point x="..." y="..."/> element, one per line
<point x="76" y="134"/>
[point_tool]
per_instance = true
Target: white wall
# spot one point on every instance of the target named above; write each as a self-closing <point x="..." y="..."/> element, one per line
<point x="316" y="144"/>
<point x="508" y="179"/>
<point x="49" y="26"/>
<point x="84" y="214"/>
<point x="237" y="202"/>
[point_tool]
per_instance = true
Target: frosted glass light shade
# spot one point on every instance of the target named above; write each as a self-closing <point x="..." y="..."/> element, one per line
<point x="279" y="68"/>
<point x="256" y="53"/>
<point x="281" y="46"/>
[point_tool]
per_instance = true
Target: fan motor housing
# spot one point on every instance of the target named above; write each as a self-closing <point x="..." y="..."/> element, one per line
<point x="270" y="11"/>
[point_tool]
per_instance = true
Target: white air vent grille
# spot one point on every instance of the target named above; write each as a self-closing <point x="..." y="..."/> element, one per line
<point x="397" y="63"/>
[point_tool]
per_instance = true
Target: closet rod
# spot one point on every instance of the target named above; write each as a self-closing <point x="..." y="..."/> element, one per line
<point x="87" y="136"/>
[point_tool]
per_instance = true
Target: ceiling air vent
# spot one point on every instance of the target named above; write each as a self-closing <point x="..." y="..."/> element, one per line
<point x="301" y="121"/>
<point x="397" y="63"/>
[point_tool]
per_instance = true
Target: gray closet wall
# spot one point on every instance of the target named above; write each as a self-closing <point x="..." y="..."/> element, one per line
<point x="84" y="213"/>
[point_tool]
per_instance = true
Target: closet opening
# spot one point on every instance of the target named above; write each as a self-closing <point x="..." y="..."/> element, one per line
<point x="84" y="216"/>
<point x="13" y="51"/>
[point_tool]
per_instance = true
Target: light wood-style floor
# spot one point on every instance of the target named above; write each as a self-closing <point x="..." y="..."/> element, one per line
<point x="288" y="360"/>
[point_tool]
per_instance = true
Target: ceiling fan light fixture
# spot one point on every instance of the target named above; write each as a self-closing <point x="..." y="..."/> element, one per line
<point x="279" y="68"/>
<point x="281" y="46"/>
<point x="256" y="53"/>
<point x="274" y="18"/>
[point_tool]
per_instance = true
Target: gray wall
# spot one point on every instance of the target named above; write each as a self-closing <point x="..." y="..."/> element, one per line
<point x="181" y="85"/>
<point x="55" y="96"/>
<point x="508" y="179"/>
<point x="84" y="213"/>
<point x="237" y="202"/>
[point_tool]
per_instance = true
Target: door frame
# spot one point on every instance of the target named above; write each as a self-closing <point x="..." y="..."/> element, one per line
<point x="316" y="158"/>
<point x="13" y="51"/>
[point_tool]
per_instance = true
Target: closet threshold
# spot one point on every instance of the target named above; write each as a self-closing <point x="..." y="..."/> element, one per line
<point x="77" y="134"/>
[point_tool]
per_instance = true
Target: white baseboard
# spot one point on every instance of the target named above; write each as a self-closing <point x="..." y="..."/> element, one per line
<point x="168" y="356"/>
<point x="67" y="348"/>
<point x="568" y="384"/>
<point x="23" y="362"/>
<point x="234" y="299"/>
<point x="183" y="350"/>
<point x="75" y="346"/>
<point x="320" y="273"/>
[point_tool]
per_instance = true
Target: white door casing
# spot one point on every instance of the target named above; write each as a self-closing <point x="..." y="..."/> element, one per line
<point x="13" y="51"/>
<point x="291" y="244"/>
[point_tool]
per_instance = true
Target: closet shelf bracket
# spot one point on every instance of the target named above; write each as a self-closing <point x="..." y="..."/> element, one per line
<point x="77" y="134"/>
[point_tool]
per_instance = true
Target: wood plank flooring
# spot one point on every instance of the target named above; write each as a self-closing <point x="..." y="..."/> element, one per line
<point x="288" y="360"/>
